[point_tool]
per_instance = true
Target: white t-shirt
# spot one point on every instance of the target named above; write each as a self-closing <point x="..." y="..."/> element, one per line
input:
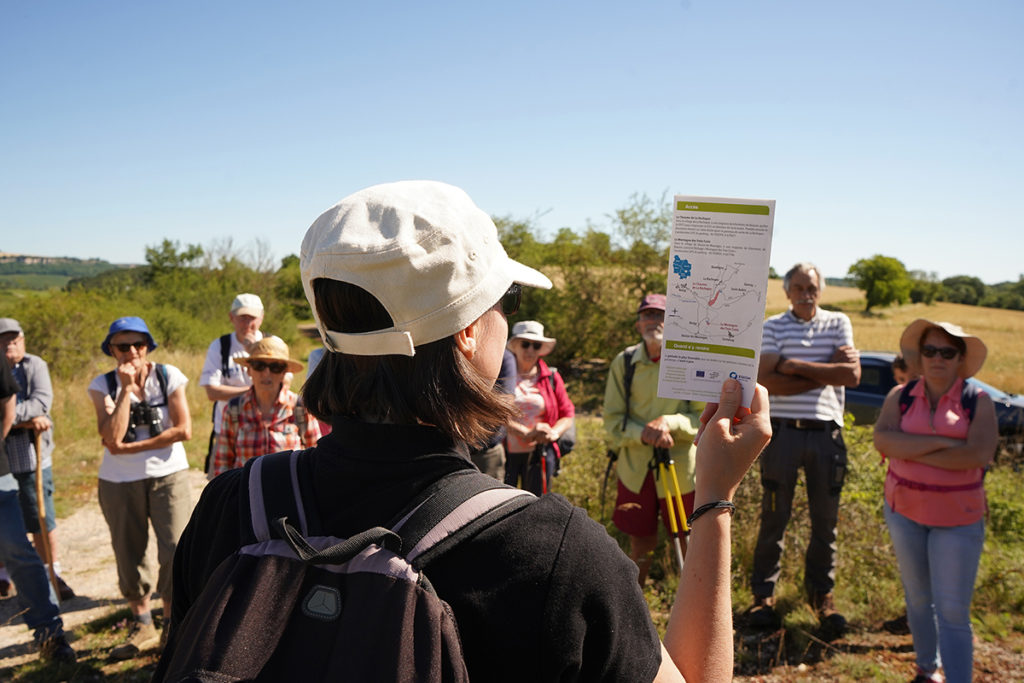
<point x="158" y="462"/>
<point x="213" y="372"/>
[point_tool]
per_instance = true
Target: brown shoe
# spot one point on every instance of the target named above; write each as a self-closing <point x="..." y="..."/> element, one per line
<point x="832" y="622"/>
<point x="64" y="590"/>
<point x="142" y="637"/>
<point x="762" y="613"/>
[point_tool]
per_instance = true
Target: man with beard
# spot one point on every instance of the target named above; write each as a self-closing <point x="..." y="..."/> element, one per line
<point x="638" y="422"/>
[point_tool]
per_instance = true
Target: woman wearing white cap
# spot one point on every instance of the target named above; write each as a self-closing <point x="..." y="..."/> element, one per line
<point x="939" y="435"/>
<point x="410" y="288"/>
<point x="545" y="411"/>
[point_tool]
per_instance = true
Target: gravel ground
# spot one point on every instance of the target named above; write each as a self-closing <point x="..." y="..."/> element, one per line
<point x="87" y="564"/>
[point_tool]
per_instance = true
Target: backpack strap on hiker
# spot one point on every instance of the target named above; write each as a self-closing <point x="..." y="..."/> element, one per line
<point x="225" y="353"/>
<point x="161" y="379"/>
<point x="270" y="499"/>
<point x="456" y="507"/>
<point x="968" y="397"/>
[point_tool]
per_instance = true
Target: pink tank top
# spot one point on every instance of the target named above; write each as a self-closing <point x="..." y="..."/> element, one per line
<point x="933" y="495"/>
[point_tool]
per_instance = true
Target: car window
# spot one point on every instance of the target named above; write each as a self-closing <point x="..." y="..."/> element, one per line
<point x="876" y="379"/>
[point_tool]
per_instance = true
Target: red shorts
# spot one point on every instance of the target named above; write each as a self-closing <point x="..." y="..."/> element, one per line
<point x="636" y="514"/>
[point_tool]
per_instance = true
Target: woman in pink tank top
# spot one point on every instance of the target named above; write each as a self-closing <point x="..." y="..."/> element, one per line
<point x="938" y="449"/>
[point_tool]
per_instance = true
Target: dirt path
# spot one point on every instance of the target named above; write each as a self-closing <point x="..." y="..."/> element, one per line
<point x="87" y="564"/>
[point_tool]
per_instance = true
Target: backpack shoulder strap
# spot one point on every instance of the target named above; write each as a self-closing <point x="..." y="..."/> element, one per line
<point x="299" y="411"/>
<point x="905" y="398"/>
<point x="225" y="352"/>
<point x="455" y="508"/>
<point x="274" y="492"/>
<point x="161" y="379"/>
<point x="111" y="379"/>
<point x="627" y="380"/>
<point x="969" y="398"/>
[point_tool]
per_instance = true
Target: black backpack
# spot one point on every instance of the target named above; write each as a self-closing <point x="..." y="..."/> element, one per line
<point x="295" y="605"/>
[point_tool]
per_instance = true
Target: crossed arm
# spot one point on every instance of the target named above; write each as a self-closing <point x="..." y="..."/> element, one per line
<point x="787" y="376"/>
<point x="977" y="450"/>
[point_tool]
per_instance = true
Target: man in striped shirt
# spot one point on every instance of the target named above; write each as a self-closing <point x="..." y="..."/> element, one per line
<point x="807" y="358"/>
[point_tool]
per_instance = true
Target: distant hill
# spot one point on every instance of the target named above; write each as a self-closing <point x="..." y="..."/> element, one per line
<point x="22" y="271"/>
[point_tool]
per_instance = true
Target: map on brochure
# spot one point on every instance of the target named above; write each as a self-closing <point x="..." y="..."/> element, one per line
<point x="717" y="278"/>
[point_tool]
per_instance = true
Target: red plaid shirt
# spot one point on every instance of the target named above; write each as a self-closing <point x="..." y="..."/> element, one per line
<point x="245" y="434"/>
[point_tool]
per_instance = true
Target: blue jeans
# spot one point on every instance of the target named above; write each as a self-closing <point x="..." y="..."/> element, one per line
<point x="23" y="564"/>
<point x="938" y="565"/>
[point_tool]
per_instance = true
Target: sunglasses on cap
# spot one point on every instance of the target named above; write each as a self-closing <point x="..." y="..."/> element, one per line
<point x="947" y="352"/>
<point x="276" y="367"/>
<point x="511" y="299"/>
<point x="527" y="344"/>
<point x="125" y="347"/>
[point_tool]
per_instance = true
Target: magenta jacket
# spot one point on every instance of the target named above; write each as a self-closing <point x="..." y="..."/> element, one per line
<point x="556" y="402"/>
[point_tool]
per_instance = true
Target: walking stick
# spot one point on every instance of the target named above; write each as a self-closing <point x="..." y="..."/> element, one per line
<point x="673" y="500"/>
<point x="44" y="533"/>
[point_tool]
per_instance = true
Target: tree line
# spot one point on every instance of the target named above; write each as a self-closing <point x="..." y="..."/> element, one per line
<point x="885" y="281"/>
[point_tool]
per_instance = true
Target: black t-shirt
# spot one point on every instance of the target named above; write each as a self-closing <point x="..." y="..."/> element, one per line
<point x="542" y="595"/>
<point x="8" y="388"/>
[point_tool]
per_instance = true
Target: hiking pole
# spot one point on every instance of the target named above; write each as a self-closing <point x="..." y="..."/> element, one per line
<point x="612" y="457"/>
<point x="44" y="533"/>
<point x="673" y="499"/>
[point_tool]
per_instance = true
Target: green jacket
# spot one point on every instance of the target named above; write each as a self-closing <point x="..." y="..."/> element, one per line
<point x="645" y="405"/>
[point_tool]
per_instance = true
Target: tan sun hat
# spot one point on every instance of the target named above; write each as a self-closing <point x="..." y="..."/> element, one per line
<point x="271" y="349"/>
<point x="533" y="331"/>
<point x="910" y="342"/>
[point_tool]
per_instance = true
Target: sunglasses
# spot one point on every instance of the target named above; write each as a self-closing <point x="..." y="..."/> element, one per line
<point x="527" y="344"/>
<point x="511" y="299"/>
<point x="276" y="367"/>
<point x="947" y="352"/>
<point x="126" y="347"/>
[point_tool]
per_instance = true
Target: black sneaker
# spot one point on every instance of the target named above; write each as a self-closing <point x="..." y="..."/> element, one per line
<point x="833" y="624"/>
<point x="897" y="626"/>
<point x="56" y="649"/>
<point x="64" y="590"/>
<point x="762" y="613"/>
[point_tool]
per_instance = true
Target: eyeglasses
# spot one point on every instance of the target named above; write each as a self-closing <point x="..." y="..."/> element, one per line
<point x="947" y="352"/>
<point x="511" y="299"/>
<point x="126" y="347"/>
<point x="276" y="367"/>
<point x="527" y="344"/>
<point x="652" y="314"/>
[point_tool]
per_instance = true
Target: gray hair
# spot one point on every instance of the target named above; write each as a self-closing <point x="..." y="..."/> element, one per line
<point x="803" y="267"/>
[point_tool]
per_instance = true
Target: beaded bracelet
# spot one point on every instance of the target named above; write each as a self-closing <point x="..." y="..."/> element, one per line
<point x="725" y="504"/>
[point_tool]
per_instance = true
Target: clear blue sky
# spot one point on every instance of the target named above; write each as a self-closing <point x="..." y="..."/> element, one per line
<point x="879" y="127"/>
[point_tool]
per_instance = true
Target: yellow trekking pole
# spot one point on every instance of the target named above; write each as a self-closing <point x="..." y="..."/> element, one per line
<point x="673" y="500"/>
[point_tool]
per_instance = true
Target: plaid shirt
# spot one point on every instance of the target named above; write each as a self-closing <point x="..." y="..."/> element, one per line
<point x="245" y="434"/>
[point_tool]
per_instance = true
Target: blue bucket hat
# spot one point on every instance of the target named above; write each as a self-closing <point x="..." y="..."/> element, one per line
<point x="130" y="323"/>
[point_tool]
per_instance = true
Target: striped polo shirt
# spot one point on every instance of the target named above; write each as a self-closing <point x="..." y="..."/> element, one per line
<point x="813" y="340"/>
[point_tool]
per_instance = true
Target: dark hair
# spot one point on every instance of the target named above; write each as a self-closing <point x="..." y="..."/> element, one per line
<point x="899" y="363"/>
<point x="959" y="343"/>
<point x="437" y="386"/>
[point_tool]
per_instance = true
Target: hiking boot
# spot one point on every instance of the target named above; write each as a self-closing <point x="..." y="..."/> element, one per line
<point x="64" y="590"/>
<point x="142" y="637"/>
<point x="56" y="649"/>
<point x="897" y="626"/>
<point x="832" y="622"/>
<point x="933" y="677"/>
<point x="762" y="613"/>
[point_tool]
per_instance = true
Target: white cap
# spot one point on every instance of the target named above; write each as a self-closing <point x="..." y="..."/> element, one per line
<point x="424" y="250"/>
<point x="247" y="304"/>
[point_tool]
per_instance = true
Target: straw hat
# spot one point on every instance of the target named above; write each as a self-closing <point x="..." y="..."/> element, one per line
<point x="910" y="342"/>
<point x="270" y="350"/>
<point x="533" y="331"/>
